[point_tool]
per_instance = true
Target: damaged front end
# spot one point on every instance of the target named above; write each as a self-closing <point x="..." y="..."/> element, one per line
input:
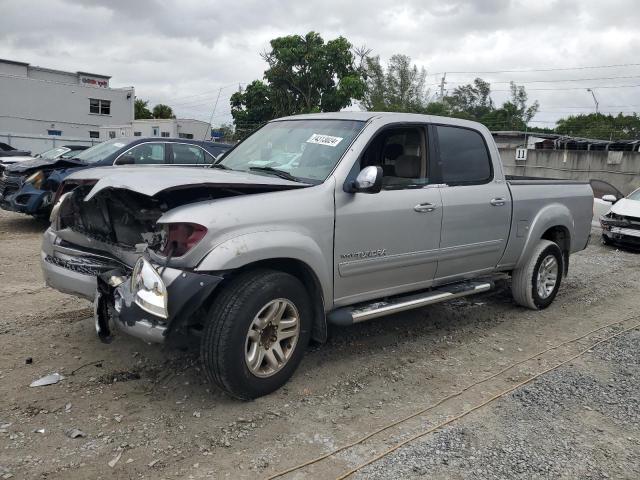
<point x="147" y="303"/>
<point x="107" y="243"/>
<point x="102" y="249"/>
<point x="621" y="229"/>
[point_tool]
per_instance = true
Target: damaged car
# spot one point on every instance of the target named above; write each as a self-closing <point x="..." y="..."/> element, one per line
<point x="317" y="219"/>
<point x="29" y="186"/>
<point x="621" y="224"/>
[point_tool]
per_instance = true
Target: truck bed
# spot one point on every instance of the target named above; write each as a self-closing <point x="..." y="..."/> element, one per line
<point x="537" y="201"/>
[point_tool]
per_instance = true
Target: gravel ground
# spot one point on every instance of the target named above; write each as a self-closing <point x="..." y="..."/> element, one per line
<point x="579" y="421"/>
<point x="146" y="411"/>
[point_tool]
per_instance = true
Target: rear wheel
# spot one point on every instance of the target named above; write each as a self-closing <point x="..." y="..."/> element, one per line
<point x="258" y="329"/>
<point x="535" y="284"/>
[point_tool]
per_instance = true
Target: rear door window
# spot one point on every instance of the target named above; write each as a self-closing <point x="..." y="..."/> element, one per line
<point x="187" y="154"/>
<point x="464" y="158"/>
<point x="147" y="154"/>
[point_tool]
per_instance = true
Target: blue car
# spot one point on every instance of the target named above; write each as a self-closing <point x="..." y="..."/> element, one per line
<point x="29" y="186"/>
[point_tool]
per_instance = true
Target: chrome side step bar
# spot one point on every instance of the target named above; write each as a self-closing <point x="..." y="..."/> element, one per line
<point x="363" y="312"/>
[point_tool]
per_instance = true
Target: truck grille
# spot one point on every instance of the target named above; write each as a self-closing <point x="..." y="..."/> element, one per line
<point x="86" y="266"/>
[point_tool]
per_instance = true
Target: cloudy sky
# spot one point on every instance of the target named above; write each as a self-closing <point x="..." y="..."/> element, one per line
<point x="182" y="53"/>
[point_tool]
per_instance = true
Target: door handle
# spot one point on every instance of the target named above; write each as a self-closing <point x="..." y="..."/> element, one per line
<point x="424" y="207"/>
<point x="498" y="202"/>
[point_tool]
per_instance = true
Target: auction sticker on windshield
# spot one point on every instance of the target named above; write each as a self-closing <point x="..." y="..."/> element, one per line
<point x="327" y="140"/>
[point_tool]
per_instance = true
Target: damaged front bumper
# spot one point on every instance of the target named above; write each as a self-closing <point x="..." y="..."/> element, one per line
<point x="623" y="232"/>
<point x="107" y="282"/>
<point x="28" y="199"/>
<point x="119" y="302"/>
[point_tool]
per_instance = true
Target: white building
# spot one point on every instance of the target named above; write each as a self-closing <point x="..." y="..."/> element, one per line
<point x="47" y="104"/>
<point x="156" y="127"/>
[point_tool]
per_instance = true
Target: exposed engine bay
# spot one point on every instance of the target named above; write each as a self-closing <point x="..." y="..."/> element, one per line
<point x="128" y="219"/>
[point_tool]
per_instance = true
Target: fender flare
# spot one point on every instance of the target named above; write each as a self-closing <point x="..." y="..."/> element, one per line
<point x="243" y="250"/>
<point x="552" y="215"/>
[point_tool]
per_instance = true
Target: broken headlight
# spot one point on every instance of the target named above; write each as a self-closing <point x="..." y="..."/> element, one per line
<point x="36" y="179"/>
<point x="148" y="289"/>
<point x="179" y="238"/>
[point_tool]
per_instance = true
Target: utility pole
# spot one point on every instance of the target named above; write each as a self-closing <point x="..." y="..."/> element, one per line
<point x="212" y="112"/>
<point x="594" y="98"/>
<point x="442" y="84"/>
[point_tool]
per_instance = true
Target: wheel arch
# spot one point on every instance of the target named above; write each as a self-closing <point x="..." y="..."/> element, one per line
<point x="309" y="280"/>
<point x="286" y="251"/>
<point x="555" y="223"/>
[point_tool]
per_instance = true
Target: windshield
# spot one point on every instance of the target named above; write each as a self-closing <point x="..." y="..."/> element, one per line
<point x="54" y="153"/>
<point x="71" y="153"/>
<point x="102" y="150"/>
<point x="634" y="195"/>
<point x="308" y="150"/>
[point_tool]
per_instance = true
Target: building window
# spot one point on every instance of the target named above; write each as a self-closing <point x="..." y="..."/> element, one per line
<point x="99" y="107"/>
<point x="137" y="134"/>
<point x="57" y="133"/>
<point x="94" y="134"/>
<point x="186" y="135"/>
<point x="165" y="134"/>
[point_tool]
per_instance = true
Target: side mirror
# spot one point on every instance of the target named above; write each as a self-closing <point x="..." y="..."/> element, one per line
<point x="609" y="198"/>
<point x="126" y="160"/>
<point x="369" y="180"/>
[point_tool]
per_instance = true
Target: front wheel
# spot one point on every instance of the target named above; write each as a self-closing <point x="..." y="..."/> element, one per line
<point x="258" y="329"/>
<point x="535" y="284"/>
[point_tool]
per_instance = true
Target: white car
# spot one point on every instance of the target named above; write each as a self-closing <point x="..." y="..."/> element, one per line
<point x="604" y="196"/>
<point x="618" y="216"/>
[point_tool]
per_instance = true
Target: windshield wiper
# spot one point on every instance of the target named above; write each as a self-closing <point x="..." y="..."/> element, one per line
<point x="275" y="171"/>
<point x="220" y="166"/>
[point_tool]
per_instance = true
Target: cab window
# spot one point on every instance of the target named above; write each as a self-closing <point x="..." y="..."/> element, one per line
<point x="401" y="153"/>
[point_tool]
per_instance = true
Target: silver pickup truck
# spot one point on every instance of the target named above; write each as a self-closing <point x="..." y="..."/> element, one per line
<point x="313" y="219"/>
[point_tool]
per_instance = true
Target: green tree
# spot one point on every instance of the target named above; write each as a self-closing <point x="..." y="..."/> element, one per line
<point x="399" y="88"/>
<point x="514" y="114"/>
<point x="141" y="110"/>
<point x="304" y="74"/>
<point x="252" y="107"/>
<point x="597" y="125"/>
<point x="471" y="101"/>
<point x="163" y="111"/>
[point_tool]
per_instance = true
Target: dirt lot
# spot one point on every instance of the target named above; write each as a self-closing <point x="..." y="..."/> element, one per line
<point x="150" y="407"/>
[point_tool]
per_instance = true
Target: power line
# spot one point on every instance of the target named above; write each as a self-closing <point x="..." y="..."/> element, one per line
<point x="554" y="81"/>
<point x="574" y="88"/>
<point x="545" y="69"/>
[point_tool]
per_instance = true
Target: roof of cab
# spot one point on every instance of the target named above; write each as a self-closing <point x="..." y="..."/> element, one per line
<point x="392" y="116"/>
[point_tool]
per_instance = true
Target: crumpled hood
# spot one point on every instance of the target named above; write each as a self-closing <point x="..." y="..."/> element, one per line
<point x="627" y="208"/>
<point x="43" y="163"/>
<point x="155" y="179"/>
<point x="14" y="159"/>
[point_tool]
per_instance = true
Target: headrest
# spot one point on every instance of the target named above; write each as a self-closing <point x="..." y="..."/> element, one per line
<point x="393" y="151"/>
<point x="408" y="166"/>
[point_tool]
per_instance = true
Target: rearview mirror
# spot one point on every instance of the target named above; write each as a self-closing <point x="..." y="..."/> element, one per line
<point x="369" y="180"/>
<point x="609" y="198"/>
<point x="126" y="160"/>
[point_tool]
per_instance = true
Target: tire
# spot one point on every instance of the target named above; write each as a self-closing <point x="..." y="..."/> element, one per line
<point x="226" y="345"/>
<point x="525" y="280"/>
<point x="606" y="241"/>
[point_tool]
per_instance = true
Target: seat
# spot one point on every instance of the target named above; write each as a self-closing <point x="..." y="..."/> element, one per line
<point x="408" y="166"/>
